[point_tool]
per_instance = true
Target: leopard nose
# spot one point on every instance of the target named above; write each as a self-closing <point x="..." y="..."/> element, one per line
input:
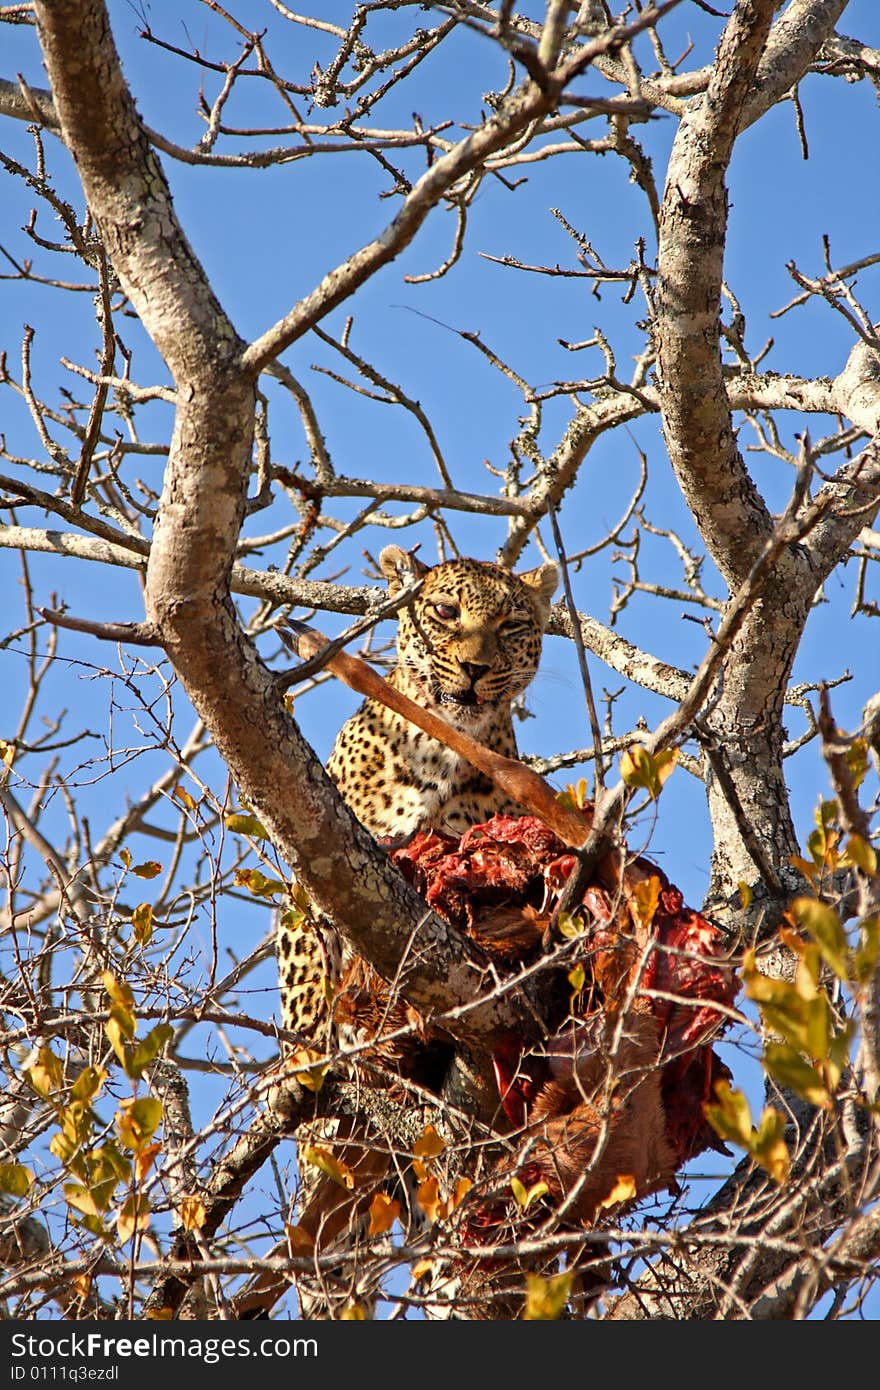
<point x="474" y="669"/>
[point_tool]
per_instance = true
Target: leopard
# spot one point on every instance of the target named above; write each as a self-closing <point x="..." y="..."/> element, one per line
<point x="469" y="643"/>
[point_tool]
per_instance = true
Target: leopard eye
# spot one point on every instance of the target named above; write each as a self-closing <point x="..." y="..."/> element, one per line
<point x="446" y="611"/>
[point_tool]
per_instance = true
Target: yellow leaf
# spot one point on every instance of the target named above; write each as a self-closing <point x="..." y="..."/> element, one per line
<point x="293" y="918"/>
<point x="868" y="952"/>
<point x="422" y="1269"/>
<point x="646" y="896"/>
<point x="430" y="1201"/>
<point x="861" y="855"/>
<point x="46" y="1076"/>
<point x="15" y="1179"/>
<point x="430" y="1145"/>
<point x="384" y="1211"/>
<point x="142" y="924"/>
<point x="641" y="769"/>
<point x="353" y="1312"/>
<point x="137" y="1121"/>
<point x="303" y="1067"/>
<point x="525" y="1197"/>
<point x="108" y="1164"/>
<point x="133" y="1215"/>
<point x="730" y="1117"/>
<point x="116" y="1037"/>
<point x="88" y="1084"/>
<point x="462" y="1188"/>
<point x="159" y="1314"/>
<point x="192" y="1213"/>
<point x="150" y="868"/>
<point x="120" y="992"/>
<point x="576" y="798"/>
<point x="570" y="927"/>
<point x="335" y="1168"/>
<point x="856" y="758"/>
<point x="299" y="1242"/>
<point x="145" y="1052"/>
<point x="576" y="978"/>
<point x="833" y="1065"/>
<point x="143" y="1160"/>
<point x="184" y="797"/>
<point x="97" y="1227"/>
<point x="258" y="884"/>
<point x="799" y="1012"/>
<point x="804" y="866"/>
<point x="247" y="825"/>
<point x="83" y="1284"/>
<point x="125" y="856"/>
<point x="624" y="1190"/>
<point x="745" y="896"/>
<point x="768" y="1147"/>
<point x="83" y="1199"/>
<point x="546" y="1298"/>
<point x="823" y="842"/>
<point x="67" y="1150"/>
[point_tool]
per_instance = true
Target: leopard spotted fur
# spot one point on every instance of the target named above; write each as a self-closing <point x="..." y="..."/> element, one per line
<point x="467" y="645"/>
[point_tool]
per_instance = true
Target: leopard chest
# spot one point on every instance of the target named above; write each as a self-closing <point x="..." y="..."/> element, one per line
<point x="397" y="779"/>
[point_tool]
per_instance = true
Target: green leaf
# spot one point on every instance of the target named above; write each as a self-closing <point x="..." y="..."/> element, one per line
<point x="861" y="855"/>
<point x="525" y="1196"/>
<point x="243" y="824"/>
<point x="838" y="1054"/>
<point x="823" y="925"/>
<point x="641" y="769"/>
<point x="69" y="1152"/>
<point x="258" y="884"/>
<point x="868" y="951"/>
<point x="570" y="927"/>
<point x="791" y="1070"/>
<point x="140" y="1056"/>
<point x="120" y="1027"/>
<point x="15" y="1179"/>
<point x="107" y="1163"/>
<point x="92" y="1200"/>
<point x="88" y="1084"/>
<point x="730" y="1116"/>
<point x="137" y="1121"/>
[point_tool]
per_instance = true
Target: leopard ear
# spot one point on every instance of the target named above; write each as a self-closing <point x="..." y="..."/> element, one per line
<point x="399" y="567"/>
<point x="542" y="583"/>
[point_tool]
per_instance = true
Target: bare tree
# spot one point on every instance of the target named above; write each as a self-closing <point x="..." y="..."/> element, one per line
<point x="143" y="864"/>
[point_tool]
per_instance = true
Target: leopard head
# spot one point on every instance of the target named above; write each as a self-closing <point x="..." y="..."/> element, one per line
<point x="470" y="640"/>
